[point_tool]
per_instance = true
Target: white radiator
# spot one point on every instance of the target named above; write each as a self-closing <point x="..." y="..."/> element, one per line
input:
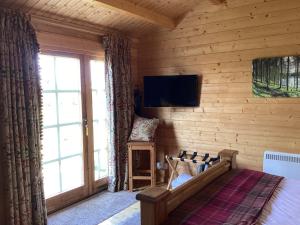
<point x="282" y="164"/>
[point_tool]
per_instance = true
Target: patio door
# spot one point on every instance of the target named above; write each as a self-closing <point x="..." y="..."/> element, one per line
<point x="74" y="128"/>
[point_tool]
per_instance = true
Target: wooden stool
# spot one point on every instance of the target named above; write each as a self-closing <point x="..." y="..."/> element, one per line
<point x="142" y="146"/>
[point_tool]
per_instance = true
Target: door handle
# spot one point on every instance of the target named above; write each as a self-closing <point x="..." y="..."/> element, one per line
<point x="86" y="127"/>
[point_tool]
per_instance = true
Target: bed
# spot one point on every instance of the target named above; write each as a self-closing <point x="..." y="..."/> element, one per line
<point x="224" y="194"/>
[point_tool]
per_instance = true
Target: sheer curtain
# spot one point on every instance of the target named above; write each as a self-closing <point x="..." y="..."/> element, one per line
<point x="20" y="121"/>
<point x="120" y="107"/>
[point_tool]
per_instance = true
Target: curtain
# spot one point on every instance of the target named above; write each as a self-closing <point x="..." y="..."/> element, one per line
<point x="20" y="121"/>
<point x="120" y="107"/>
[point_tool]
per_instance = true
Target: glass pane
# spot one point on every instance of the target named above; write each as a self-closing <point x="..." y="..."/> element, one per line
<point x="50" y="144"/>
<point x="103" y="158"/>
<point x="97" y="74"/>
<point x="67" y="73"/>
<point x="70" y="140"/>
<point x="46" y="63"/>
<point x="100" y="135"/>
<point x="96" y="165"/>
<point x="99" y="105"/>
<point x="71" y="173"/>
<point x="49" y="109"/>
<point x="69" y="107"/>
<point x="51" y="179"/>
<point x="101" y="166"/>
<point x="99" y="119"/>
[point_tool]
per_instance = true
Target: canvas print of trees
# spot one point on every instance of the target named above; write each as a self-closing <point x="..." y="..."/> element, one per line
<point x="276" y="77"/>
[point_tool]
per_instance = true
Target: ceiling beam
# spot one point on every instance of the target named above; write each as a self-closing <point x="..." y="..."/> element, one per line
<point x="137" y="12"/>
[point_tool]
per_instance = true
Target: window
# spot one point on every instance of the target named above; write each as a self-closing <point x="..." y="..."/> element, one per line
<point x="66" y="157"/>
<point x="62" y="143"/>
<point x="100" y="123"/>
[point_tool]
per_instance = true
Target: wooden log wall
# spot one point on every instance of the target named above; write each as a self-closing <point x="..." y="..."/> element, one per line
<point x="219" y="42"/>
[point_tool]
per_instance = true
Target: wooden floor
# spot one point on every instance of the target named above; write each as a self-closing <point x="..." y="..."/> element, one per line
<point x="129" y="216"/>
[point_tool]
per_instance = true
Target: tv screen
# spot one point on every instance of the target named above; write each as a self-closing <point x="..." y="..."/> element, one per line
<point x="168" y="91"/>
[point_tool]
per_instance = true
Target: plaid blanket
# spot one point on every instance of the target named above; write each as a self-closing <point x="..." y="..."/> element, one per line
<point x="237" y="197"/>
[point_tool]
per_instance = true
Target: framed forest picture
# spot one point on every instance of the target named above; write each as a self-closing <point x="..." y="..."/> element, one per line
<point x="276" y="77"/>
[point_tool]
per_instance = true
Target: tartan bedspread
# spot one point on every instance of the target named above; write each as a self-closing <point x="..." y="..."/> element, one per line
<point x="237" y="197"/>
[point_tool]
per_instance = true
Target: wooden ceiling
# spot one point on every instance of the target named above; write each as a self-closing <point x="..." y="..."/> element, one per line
<point x="94" y="13"/>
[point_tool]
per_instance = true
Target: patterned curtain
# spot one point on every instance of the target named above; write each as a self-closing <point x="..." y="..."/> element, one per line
<point x="120" y="107"/>
<point x="20" y="121"/>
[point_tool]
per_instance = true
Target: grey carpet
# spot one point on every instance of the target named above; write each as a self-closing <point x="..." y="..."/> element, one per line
<point x="94" y="210"/>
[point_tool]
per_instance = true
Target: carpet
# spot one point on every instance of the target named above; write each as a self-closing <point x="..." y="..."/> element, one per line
<point x="94" y="210"/>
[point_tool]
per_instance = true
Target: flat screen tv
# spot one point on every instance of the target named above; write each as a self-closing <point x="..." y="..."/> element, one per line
<point x="171" y="91"/>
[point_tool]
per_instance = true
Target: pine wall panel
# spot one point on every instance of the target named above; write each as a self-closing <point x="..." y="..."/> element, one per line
<point x="218" y="42"/>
